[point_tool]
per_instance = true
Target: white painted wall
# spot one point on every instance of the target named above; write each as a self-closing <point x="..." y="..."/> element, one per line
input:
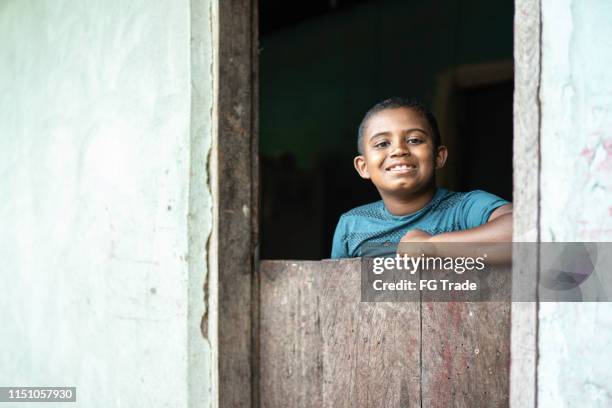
<point x="102" y="288"/>
<point x="575" y="339"/>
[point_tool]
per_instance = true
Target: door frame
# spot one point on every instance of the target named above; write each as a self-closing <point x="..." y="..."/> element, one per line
<point x="234" y="173"/>
<point x="526" y="192"/>
<point x="234" y="170"/>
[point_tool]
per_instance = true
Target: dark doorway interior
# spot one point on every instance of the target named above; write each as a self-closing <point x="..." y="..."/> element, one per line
<point x="485" y="138"/>
<point x="324" y="63"/>
<point x="275" y="15"/>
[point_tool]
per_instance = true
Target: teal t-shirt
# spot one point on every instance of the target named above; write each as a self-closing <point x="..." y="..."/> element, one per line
<point x="372" y="226"/>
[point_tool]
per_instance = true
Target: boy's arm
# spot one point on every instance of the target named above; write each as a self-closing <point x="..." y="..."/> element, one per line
<point x="498" y="229"/>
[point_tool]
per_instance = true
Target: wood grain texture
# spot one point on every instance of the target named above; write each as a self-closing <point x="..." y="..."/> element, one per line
<point x="290" y="365"/>
<point x="255" y="201"/>
<point x="235" y="170"/>
<point x="321" y="347"/>
<point x="527" y="43"/>
<point x="371" y="355"/>
<point x="466" y="354"/>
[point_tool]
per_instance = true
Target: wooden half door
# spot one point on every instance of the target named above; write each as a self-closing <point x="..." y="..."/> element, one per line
<point x="319" y="346"/>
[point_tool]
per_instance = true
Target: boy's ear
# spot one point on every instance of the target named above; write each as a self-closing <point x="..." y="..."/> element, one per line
<point x="360" y="166"/>
<point x="441" y="156"/>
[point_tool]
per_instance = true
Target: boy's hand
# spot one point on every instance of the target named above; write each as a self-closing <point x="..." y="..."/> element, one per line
<point x="416" y="243"/>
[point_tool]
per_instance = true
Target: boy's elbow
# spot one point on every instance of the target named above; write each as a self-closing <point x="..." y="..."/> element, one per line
<point x="504" y="210"/>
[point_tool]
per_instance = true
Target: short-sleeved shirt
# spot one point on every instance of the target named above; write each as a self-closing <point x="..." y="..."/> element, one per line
<point x="371" y="225"/>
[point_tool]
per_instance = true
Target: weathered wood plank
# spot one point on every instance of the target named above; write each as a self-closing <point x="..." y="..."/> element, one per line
<point x="234" y="170"/>
<point x="320" y="346"/>
<point x="466" y="354"/>
<point x="255" y="201"/>
<point x="527" y="43"/>
<point x="371" y="354"/>
<point x="290" y="368"/>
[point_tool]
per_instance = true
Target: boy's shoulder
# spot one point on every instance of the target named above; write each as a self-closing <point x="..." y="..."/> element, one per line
<point x="465" y="202"/>
<point x="374" y="210"/>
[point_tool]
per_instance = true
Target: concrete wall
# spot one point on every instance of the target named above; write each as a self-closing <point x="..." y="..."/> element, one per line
<point x="102" y="287"/>
<point x="576" y="193"/>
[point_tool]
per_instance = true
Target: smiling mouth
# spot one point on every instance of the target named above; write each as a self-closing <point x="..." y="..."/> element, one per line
<point x="401" y="168"/>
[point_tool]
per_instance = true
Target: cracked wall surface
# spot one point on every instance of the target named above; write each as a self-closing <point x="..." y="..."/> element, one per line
<point x="576" y="193"/>
<point x="105" y="207"/>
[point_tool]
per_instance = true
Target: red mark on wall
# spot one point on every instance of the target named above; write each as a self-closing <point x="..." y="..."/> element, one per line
<point x="587" y="154"/>
<point x="606" y="164"/>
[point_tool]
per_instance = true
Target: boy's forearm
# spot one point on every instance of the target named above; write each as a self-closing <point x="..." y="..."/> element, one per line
<point x="497" y="230"/>
<point x="490" y="238"/>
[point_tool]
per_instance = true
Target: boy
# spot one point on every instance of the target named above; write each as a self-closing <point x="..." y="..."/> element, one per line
<point x="399" y="151"/>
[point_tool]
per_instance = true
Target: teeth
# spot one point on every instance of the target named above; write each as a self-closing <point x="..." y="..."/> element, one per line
<point x="403" y="167"/>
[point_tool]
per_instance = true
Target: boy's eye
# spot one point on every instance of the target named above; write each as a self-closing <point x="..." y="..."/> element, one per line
<point x="382" y="144"/>
<point x="414" y="140"/>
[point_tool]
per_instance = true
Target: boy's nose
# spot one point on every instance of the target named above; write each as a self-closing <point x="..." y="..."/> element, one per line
<point x="400" y="149"/>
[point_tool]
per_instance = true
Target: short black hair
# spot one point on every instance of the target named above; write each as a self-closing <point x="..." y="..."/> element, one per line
<point x="395" y="103"/>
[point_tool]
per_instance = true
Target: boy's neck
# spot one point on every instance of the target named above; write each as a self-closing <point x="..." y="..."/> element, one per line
<point x="410" y="204"/>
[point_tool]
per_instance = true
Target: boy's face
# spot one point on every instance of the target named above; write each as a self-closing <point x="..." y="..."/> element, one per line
<point x="398" y="152"/>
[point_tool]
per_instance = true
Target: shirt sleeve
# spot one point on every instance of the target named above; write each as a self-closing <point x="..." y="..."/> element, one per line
<point x="477" y="206"/>
<point x="339" y="247"/>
